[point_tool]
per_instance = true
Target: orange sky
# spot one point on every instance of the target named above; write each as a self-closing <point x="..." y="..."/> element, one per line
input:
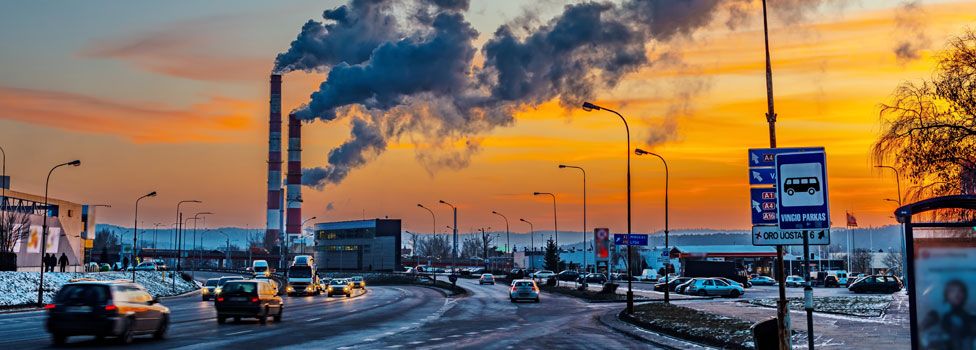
<point x="209" y="140"/>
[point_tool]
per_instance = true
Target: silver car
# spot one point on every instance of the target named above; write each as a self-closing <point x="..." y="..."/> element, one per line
<point x="524" y="290"/>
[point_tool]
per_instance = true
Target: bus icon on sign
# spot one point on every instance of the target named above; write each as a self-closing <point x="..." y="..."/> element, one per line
<point x="810" y="185"/>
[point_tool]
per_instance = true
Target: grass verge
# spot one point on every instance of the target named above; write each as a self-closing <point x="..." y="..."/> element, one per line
<point x="693" y="325"/>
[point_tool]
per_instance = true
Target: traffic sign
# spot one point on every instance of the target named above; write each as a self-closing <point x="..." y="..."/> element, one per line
<point x="766" y="157"/>
<point x="632" y="239"/>
<point x="763" y="205"/>
<point x="762" y="176"/>
<point x="772" y="235"/>
<point x="802" y="200"/>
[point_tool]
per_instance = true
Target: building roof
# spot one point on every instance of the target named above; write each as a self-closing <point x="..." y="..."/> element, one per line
<point x="353" y="224"/>
<point x="723" y="250"/>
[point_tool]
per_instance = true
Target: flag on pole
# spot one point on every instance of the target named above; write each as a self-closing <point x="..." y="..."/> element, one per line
<point x="851" y="220"/>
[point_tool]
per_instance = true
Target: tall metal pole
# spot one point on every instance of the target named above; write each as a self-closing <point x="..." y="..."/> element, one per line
<point x="135" y="234"/>
<point x="40" y="284"/>
<point x="177" y="237"/>
<point x="531" y="242"/>
<point x="667" y="245"/>
<point x="630" y="291"/>
<point x="782" y="308"/>
<point x="904" y="250"/>
<point x="433" y="230"/>
<point x="454" y="254"/>
<point x="561" y="166"/>
<point x="508" y="240"/>
<point x="555" y="222"/>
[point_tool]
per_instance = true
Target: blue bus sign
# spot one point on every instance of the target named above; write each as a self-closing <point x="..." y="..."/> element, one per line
<point x="801" y="197"/>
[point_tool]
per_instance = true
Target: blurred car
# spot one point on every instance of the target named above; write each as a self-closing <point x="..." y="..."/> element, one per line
<point x="339" y="286"/>
<point x="147" y="266"/>
<point x="682" y="288"/>
<point x="517" y="273"/>
<point x="209" y="289"/>
<point x="91" y="267"/>
<point x="831" y="282"/>
<point x="358" y="282"/>
<point x="876" y="284"/>
<point x="623" y="277"/>
<point x="670" y="276"/>
<point x="672" y="284"/>
<point x="486" y="278"/>
<point x="763" y="281"/>
<point x="524" y="290"/>
<point x="223" y="280"/>
<point x="249" y="298"/>
<point x="568" y="276"/>
<point x="794" y="281"/>
<point x="543" y="274"/>
<point x="161" y="265"/>
<point x="734" y="282"/>
<point x="594" y="278"/>
<point x="103" y="267"/>
<point x="105" y="309"/>
<point x="714" y="286"/>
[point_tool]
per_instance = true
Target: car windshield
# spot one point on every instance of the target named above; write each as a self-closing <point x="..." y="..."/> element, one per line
<point x="357" y="279"/>
<point x="212" y="282"/>
<point x="523" y="284"/>
<point x="224" y="280"/>
<point x="300" y="272"/>
<point x="240" y="287"/>
<point x="83" y="293"/>
<point x="338" y="282"/>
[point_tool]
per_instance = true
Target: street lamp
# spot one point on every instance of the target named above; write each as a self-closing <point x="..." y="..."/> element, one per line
<point x="178" y="236"/>
<point x="179" y="257"/>
<point x="155" y="233"/>
<point x="555" y="223"/>
<point x="508" y="240"/>
<point x="433" y="226"/>
<point x="904" y="250"/>
<point x="630" y="293"/>
<point x="667" y="246"/>
<point x="135" y="233"/>
<point x="531" y="241"/>
<point x="40" y="284"/>
<point x="562" y="166"/>
<point x="455" y="250"/>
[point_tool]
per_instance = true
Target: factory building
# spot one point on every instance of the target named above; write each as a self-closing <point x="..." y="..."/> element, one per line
<point x="70" y="227"/>
<point x="361" y="245"/>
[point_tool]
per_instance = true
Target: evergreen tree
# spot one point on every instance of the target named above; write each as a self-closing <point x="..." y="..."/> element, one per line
<point x="551" y="259"/>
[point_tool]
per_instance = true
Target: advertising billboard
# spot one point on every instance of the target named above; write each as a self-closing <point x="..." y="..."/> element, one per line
<point x="945" y="295"/>
<point x="601" y="241"/>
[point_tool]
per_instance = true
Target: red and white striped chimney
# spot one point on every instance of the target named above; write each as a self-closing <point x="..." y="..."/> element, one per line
<point x="293" y="226"/>
<point x="273" y="230"/>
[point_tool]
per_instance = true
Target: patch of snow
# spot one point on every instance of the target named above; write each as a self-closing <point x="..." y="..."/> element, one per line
<point x="20" y="288"/>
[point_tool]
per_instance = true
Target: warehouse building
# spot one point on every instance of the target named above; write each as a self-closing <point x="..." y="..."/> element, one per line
<point x="70" y="229"/>
<point x="360" y="245"/>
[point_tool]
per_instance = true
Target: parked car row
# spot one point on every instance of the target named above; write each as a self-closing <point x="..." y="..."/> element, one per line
<point x="703" y="286"/>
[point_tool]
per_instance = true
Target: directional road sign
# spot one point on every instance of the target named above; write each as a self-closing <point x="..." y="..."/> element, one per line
<point x="762" y="176"/>
<point x="766" y="157"/>
<point x="763" y="205"/>
<point x="632" y="239"/>
<point x="772" y="235"/>
<point x="802" y="200"/>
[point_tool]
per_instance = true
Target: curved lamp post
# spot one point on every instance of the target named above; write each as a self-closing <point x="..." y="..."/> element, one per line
<point x="531" y="241"/>
<point x="40" y="284"/>
<point x="135" y="233"/>
<point x="455" y="248"/>
<point x="667" y="246"/>
<point x="508" y="241"/>
<point x="562" y="166"/>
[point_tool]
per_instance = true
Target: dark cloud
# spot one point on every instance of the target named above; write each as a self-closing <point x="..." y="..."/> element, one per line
<point x="910" y="31"/>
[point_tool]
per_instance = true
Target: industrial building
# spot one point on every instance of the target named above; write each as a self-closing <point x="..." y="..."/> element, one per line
<point x="360" y="245"/>
<point x="70" y="227"/>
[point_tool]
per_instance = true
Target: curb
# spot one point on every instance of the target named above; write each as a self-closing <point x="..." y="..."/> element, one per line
<point x="612" y="320"/>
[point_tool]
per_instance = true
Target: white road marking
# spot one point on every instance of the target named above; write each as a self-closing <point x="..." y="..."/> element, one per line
<point x="454" y="336"/>
<point x="436" y="339"/>
<point x="314" y="319"/>
<point x="241" y="332"/>
<point x="415" y="342"/>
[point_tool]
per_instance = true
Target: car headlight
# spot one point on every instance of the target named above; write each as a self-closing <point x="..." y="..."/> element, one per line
<point x="329" y="289"/>
<point x="217" y="290"/>
<point x="290" y="288"/>
<point x="205" y="291"/>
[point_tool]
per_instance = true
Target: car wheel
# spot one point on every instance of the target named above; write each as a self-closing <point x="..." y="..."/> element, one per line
<point x="127" y="336"/>
<point x="221" y="319"/>
<point x="58" y="339"/>
<point x="512" y="300"/>
<point x="734" y="294"/>
<point x="277" y="318"/>
<point x="161" y="331"/>
<point x="237" y="319"/>
<point x="702" y="293"/>
<point x="537" y="299"/>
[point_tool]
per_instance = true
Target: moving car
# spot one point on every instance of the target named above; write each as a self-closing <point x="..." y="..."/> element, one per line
<point x="672" y="284"/>
<point x="261" y="268"/>
<point x="339" y="286"/>
<point x="830" y="281"/>
<point x="223" y="280"/>
<point x="105" y="309"/>
<point x="147" y="266"/>
<point x="524" y="290"/>
<point x="594" y="278"/>
<point x="358" y="282"/>
<point x="209" y="289"/>
<point x="302" y="277"/>
<point x="249" y="298"/>
<point x="714" y="286"/>
<point x="876" y="284"/>
<point x="543" y="274"/>
<point x="568" y="276"/>
<point x="763" y="281"/>
<point x="794" y="281"/>
<point x="486" y="278"/>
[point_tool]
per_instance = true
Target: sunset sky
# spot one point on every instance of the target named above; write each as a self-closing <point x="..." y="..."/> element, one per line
<point x="172" y="97"/>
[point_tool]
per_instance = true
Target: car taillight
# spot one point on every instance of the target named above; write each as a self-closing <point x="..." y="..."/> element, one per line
<point x="254" y="300"/>
<point x="535" y="289"/>
<point x="49" y="306"/>
<point x="220" y="299"/>
<point x="514" y="288"/>
<point x="111" y="308"/>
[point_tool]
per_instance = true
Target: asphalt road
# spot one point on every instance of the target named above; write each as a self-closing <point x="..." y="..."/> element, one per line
<point x="384" y="317"/>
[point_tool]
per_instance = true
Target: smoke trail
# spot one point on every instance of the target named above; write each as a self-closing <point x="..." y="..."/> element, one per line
<point x="414" y="75"/>
<point x="910" y="32"/>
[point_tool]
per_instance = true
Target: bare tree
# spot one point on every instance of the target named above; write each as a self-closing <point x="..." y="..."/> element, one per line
<point x="861" y="261"/>
<point x="14" y="226"/>
<point x="435" y="246"/>
<point x="929" y="127"/>
<point x="892" y="261"/>
<point x="471" y="247"/>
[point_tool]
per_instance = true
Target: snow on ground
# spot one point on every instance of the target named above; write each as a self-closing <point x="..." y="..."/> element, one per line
<point x="860" y="305"/>
<point x="20" y="288"/>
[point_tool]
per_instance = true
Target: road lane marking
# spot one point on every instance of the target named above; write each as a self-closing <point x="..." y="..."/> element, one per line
<point x="415" y="342"/>
<point x="436" y="339"/>
<point x="314" y="319"/>
<point x="241" y="332"/>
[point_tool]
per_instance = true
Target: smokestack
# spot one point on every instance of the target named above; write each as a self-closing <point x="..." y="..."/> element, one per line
<point x="293" y="226"/>
<point x="273" y="230"/>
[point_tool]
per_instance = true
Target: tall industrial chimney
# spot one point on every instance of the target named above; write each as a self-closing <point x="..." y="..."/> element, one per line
<point x="293" y="224"/>
<point x="273" y="230"/>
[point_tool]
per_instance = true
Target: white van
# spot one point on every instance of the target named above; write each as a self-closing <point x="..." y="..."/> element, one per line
<point x="261" y="268"/>
<point x="648" y="275"/>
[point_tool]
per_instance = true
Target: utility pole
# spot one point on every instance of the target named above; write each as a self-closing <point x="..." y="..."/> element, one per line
<point x="782" y="308"/>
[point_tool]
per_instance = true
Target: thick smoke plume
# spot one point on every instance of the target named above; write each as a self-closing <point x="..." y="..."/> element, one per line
<point x="406" y="69"/>
<point x="910" y="31"/>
